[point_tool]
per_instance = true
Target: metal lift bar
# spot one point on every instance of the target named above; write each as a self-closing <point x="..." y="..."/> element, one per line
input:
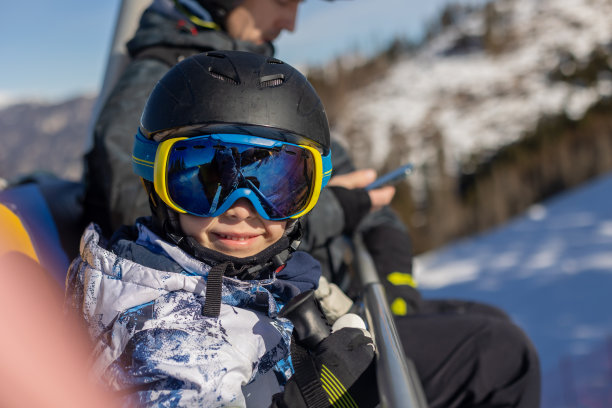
<point x="126" y="24"/>
<point x="398" y="381"/>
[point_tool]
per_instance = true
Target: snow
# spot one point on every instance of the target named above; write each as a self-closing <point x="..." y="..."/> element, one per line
<point x="551" y="270"/>
<point x="480" y="101"/>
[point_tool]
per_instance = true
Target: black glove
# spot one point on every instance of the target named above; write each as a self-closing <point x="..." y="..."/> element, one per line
<point x="346" y="361"/>
<point x="341" y="370"/>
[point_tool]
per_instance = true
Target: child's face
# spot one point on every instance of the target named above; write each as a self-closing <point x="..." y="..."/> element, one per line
<point x="239" y="232"/>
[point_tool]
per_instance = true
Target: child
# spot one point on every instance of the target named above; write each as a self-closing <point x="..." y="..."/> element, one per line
<point x="232" y="149"/>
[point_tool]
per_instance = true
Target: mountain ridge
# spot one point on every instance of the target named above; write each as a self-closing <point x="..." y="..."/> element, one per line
<point x="45" y="137"/>
<point x="507" y="106"/>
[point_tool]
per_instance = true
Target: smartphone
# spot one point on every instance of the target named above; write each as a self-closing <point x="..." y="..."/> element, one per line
<point x="391" y="178"/>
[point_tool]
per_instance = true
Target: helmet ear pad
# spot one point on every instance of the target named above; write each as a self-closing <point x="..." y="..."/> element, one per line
<point x="165" y="219"/>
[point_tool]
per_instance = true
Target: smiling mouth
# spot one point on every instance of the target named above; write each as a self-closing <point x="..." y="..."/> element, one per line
<point x="235" y="238"/>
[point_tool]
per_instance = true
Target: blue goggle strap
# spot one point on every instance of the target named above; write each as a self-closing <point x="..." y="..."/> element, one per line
<point x="327" y="168"/>
<point x="143" y="156"/>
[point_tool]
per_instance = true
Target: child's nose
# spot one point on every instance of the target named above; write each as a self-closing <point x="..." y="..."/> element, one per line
<point x="241" y="209"/>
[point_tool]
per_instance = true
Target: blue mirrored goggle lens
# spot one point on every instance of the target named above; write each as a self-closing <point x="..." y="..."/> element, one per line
<point x="203" y="173"/>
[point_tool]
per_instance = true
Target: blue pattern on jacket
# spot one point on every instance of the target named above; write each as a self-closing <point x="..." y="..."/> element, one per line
<point x="153" y="342"/>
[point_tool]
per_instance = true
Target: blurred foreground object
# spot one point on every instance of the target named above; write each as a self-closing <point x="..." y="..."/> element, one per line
<point x="43" y="353"/>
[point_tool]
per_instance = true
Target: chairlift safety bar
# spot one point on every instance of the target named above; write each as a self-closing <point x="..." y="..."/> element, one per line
<point x="398" y="382"/>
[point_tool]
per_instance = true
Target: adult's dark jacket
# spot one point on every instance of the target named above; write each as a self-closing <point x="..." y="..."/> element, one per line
<point x="114" y="196"/>
<point x="341" y="213"/>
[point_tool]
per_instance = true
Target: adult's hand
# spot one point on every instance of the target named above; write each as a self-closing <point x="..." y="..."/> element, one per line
<point x="361" y="178"/>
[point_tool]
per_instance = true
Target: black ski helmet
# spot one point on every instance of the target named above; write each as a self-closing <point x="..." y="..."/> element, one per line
<point x="231" y="92"/>
<point x="248" y="92"/>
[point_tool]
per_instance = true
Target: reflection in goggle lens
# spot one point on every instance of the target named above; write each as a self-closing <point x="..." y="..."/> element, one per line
<point x="201" y="174"/>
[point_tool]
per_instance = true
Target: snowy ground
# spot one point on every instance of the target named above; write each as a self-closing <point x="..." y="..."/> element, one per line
<point x="551" y="269"/>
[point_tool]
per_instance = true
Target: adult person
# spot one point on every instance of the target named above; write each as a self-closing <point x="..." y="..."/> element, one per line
<point x="467" y="354"/>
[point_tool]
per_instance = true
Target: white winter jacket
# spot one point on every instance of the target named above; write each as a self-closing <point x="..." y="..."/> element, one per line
<point x="152" y="341"/>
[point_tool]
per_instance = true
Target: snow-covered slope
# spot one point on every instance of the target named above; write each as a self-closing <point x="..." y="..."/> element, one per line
<point x="551" y="269"/>
<point x="479" y="100"/>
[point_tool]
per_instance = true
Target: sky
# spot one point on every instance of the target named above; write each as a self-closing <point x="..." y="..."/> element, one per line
<point x="58" y="49"/>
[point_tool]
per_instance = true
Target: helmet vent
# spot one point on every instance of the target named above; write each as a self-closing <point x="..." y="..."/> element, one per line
<point x="222" y="77"/>
<point x="215" y="55"/>
<point x="270" y="81"/>
<point x="274" y="61"/>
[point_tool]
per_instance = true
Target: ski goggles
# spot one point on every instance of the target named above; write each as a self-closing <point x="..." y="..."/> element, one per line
<point x="205" y="175"/>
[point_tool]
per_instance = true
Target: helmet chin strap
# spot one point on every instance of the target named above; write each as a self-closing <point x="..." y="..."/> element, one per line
<point x="259" y="266"/>
<point x="262" y="265"/>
